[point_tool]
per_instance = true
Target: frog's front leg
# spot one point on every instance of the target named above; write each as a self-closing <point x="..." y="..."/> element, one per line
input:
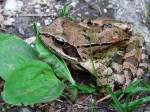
<point x="100" y="71"/>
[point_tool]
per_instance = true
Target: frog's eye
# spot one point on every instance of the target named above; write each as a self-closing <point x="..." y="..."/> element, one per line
<point x="107" y="26"/>
<point x="59" y="41"/>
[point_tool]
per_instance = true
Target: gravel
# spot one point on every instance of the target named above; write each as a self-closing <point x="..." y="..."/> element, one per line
<point x="132" y="11"/>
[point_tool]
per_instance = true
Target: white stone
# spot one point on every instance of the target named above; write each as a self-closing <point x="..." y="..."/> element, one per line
<point x="73" y="4"/>
<point x="47" y="22"/>
<point x="10" y="5"/>
<point x="58" y="6"/>
<point x="37" y="10"/>
<point x="39" y="2"/>
<point x="79" y="14"/>
<point x="9" y="21"/>
<point x="86" y="13"/>
<point x="110" y="6"/>
<point x="87" y="0"/>
<point x="38" y="24"/>
<point x="47" y="10"/>
<point x="105" y="10"/>
<point x="20" y="3"/>
<point x="37" y="6"/>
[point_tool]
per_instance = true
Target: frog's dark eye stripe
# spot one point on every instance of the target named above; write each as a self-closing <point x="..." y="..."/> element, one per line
<point x="71" y="51"/>
<point x="45" y="35"/>
<point x="88" y="45"/>
<point x="106" y="43"/>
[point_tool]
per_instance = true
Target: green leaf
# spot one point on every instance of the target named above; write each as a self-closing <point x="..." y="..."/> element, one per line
<point x="13" y="52"/>
<point x="86" y="88"/>
<point x="32" y="82"/>
<point x="137" y="102"/>
<point x="136" y="86"/>
<point x="117" y="104"/>
<point x="58" y="64"/>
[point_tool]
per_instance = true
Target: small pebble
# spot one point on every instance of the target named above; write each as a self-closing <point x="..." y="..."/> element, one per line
<point x="10" y="5"/>
<point x="87" y="0"/>
<point x="38" y="24"/>
<point x="20" y="3"/>
<point x="37" y="10"/>
<point x="47" y="10"/>
<point x="73" y="4"/>
<point x="86" y="13"/>
<point x="47" y="22"/>
<point x="137" y="10"/>
<point x="79" y="14"/>
<point x="118" y="5"/>
<point x="105" y="10"/>
<point x="110" y="6"/>
<point x="37" y="6"/>
<point x="57" y="7"/>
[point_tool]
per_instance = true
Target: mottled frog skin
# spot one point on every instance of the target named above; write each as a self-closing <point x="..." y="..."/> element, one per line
<point x="104" y="47"/>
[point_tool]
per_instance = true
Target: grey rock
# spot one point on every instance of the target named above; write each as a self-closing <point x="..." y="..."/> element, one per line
<point x="133" y="12"/>
<point x="38" y="10"/>
<point x="9" y="21"/>
<point x="20" y="3"/>
<point x="37" y="6"/>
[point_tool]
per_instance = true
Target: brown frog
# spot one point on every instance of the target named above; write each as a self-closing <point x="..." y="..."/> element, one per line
<point x="104" y="47"/>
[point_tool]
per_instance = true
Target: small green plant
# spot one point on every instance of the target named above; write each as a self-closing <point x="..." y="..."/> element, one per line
<point x="147" y="9"/>
<point x="93" y="106"/>
<point x="64" y="12"/>
<point x="129" y="105"/>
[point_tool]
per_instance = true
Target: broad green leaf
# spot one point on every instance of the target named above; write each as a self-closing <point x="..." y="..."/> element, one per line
<point x="13" y="52"/>
<point x="32" y="82"/>
<point x="58" y="64"/>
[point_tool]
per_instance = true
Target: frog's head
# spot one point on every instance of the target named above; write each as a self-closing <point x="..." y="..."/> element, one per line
<point x="61" y="47"/>
<point x="53" y="38"/>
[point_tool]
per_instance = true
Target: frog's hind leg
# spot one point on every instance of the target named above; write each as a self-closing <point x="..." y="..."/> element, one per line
<point x="134" y="63"/>
<point x="143" y="65"/>
<point x="117" y="67"/>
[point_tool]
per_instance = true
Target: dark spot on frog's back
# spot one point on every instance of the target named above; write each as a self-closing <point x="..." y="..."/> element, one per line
<point x="45" y="35"/>
<point x="71" y="51"/>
